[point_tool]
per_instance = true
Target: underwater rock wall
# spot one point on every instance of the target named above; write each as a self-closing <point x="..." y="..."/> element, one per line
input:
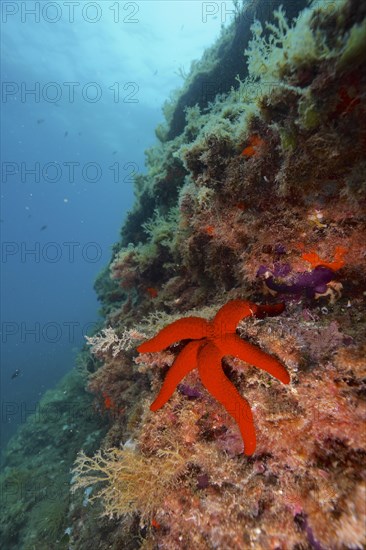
<point x="35" y="475"/>
<point x="217" y="72"/>
<point x="261" y="197"/>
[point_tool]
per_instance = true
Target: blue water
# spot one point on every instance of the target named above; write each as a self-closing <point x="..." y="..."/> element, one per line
<point x="82" y="93"/>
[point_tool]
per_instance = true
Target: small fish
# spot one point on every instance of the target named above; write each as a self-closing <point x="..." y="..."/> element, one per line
<point x="40" y="120"/>
<point x="155" y="72"/>
<point x="43" y="227"/>
<point x="114" y="153"/>
<point x="66" y="134"/>
<point x="15" y="374"/>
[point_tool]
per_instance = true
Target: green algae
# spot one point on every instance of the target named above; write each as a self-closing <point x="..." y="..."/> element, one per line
<point x="35" y="476"/>
<point x="354" y="49"/>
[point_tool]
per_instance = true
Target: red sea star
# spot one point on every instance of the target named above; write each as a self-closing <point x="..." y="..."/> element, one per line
<point x="211" y="341"/>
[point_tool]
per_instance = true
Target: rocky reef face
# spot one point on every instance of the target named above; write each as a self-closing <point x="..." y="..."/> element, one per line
<point x="261" y="198"/>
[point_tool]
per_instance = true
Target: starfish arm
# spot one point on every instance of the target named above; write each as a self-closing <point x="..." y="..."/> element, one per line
<point x="214" y="379"/>
<point x="192" y="328"/>
<point x="227" y="318"/>
<point x="233" y="345"/>
<point x="183" y="364"/>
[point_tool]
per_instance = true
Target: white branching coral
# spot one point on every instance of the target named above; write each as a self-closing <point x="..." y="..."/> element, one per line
<point x="107" y="342"/>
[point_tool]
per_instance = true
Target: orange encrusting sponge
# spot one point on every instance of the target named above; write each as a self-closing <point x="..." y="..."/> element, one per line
<point x="314" y="259"/>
